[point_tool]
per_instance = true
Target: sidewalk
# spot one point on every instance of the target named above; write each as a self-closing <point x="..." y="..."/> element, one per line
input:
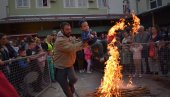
<point x="87" y="83"/>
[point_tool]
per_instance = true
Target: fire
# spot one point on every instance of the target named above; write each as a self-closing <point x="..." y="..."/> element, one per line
<point x="112" y="81"/>
<point x="130" y="83"/>
<point x="112" y="78"/>
<point x="136" y="24"/>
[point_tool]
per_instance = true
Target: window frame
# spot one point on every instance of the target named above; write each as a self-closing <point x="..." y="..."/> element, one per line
<point x="22" y="7"/>
<point x="104" y="6"/>
<point x="76" y="2"/>
<point x="157" y="5"/>
<point x="48" y="4"/>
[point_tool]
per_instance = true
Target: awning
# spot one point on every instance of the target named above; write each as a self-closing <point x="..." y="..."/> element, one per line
<point x="46" y="18"/>
<point x="156" y="10"/>
<point x="99" y="29"/>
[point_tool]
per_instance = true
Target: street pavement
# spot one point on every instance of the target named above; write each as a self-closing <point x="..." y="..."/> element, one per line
<point x="87" y="83"/>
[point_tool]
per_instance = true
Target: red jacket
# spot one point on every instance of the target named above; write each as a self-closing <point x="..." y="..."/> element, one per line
<point x="6" y="89"/>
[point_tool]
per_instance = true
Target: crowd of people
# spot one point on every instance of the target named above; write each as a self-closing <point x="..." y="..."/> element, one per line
<point x="147" y="52"/>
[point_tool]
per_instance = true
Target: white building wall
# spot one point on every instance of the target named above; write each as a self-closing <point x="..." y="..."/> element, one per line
<point x="165" y="2"/>
<point x="143" y="6"/>
<point x="115" y="6"/>
<point x="3" y="10"/>
<point x="132" y="4"/>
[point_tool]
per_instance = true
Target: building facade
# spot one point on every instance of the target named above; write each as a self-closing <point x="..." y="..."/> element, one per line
<point x="31" y="16"/>
<point x="3" y="8"/>
<point x="154" y="12"/>
<point x="148" y="5"/>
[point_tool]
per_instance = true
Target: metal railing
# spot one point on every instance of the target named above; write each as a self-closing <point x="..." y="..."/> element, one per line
<point x="29" y="75"/>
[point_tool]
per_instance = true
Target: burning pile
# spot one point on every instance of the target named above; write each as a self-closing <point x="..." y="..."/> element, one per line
<point x="112" y="83"/>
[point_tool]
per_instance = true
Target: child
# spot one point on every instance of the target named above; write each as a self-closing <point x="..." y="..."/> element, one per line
<point x="136" y="50"/>
<point x="23" y="69"/>
<point x="87" y="52"/>
<point x="91" y="38"/>
<point x="41" y="61"/>
<point x="87" y="35"/>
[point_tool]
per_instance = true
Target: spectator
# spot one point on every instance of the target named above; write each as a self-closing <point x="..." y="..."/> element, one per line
<point x="31" y="48"/>
<point x="34" y="64"/>
<point x="42" y="60"/>
<point x="136" y="49"/>
<point x="6" y="88"/>
<point x="23" y="64"/>
<point x="48" y="47"/>
<point x="164" y="57"/>
<point x="38" y="44"/>
<point x="7" y="53"/>
<point x="54" y="36"/>
<point x="143" y="37"/>
<point x="125" y="54"/>
<point x="153" y="50"/>
<point x="88" y="54"/>
<point x="22" y="68"/>
<point x="102" y="37"/>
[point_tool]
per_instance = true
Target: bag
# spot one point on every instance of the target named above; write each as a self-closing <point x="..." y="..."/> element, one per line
<point x="6" y="88"/>
<point x="152" y="52"/>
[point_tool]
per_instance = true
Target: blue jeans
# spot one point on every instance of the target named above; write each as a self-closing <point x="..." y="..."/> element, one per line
<point x="66" y="78"/>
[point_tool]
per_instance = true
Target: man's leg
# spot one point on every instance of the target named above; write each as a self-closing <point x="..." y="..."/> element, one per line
<point x="61" y="77"/>
<point x="72" y="78"/>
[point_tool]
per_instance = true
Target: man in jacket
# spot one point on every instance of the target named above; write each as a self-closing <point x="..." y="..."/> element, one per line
<point x="65" y="49"/>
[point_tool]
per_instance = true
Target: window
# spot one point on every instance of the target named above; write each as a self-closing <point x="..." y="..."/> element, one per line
<point x="70" y="3"/>
<point x="102" y="3"/>
<point x="159" y="2"/>
<point x="75" y="3"/>
<point x="22" y="3"/>
<point x="43" y="3"/>
<point x="82" y="3"/>
<point x="155" y="3"/>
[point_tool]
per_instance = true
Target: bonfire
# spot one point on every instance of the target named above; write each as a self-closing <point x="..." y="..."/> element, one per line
<point x="112" y="83"/>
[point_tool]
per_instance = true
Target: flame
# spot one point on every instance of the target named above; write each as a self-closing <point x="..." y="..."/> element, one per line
<point x="112" y="78"/>
<point x="112" y="81"/>
<point x="136" y="24"/>
<point x="130" y="83"/>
